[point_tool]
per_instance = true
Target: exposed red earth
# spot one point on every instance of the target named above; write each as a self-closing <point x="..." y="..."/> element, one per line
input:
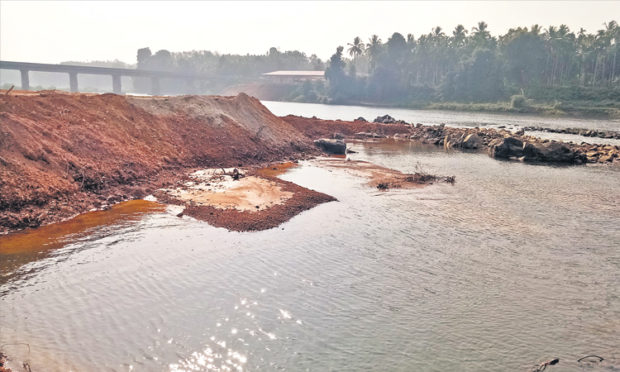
<point x="63" y="154"/>
<point x="66" y="153"/>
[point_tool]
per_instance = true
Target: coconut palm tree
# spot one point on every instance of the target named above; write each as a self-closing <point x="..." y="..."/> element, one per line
<point x="373" y="48"/>
<point x="480" y="31"/>
<point x="357" y="48"/>
<point x="459" y="35"/>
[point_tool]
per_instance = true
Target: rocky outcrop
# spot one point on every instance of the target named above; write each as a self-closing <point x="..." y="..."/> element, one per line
<point x="506" y="148"/>
<point x="464" y="141"/>
<point x="472" y="141"/>
<point x="554" y="152"/>
<point x="385" y="119"/>
<point x="465" y="138"/>
<point x="332" y="146"/>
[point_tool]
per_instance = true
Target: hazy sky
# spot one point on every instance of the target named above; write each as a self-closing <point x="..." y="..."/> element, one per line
<point x="52" y="31"/>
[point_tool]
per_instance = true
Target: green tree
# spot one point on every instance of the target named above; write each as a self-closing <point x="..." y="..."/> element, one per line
<point x="356" y="48"/>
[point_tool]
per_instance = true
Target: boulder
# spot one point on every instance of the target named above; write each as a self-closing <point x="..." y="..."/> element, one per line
<point x="451" y="142"/>
<point x="361" y="118"/>
<point x="554" y="152"/>
<point x="472" y="141"/>
<point x="332" y="146"/>
<point x="385" y="119"/>
<point x="506" y="148"/>
<point x="338" y="135"/>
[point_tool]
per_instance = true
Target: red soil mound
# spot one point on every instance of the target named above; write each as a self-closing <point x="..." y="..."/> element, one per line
<point x="64" y="153"/>
<point x="316" y="128"/>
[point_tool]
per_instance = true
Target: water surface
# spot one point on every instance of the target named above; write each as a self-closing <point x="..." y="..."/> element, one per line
<point x="511" y="266"/>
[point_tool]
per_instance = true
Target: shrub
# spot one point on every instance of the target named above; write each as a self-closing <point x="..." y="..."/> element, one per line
<point x="518" y="101"/>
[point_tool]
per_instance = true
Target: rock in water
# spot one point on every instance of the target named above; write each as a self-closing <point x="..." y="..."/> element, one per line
<point x="472" y="141"/>
<point x="551" y="152"/>
<point x="506" y="148"/>
<point x="332" y="146"/>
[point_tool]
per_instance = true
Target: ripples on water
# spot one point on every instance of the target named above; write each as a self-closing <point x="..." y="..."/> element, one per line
<point x="511" y="266"/>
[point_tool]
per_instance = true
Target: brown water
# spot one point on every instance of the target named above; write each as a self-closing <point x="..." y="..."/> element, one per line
<point x="511" y="266"/>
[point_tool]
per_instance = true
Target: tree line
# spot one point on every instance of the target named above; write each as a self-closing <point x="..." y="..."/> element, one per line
<point x="226" y="69"/>
<point x="474" y="66"/>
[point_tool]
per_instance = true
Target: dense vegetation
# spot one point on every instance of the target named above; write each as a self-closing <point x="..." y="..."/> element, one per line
<point x="535" y="69"/>
<point x="226" y="69"/>
<point x="549" y="65"/>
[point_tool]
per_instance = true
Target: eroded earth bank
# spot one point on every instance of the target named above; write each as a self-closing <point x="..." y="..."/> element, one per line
<point x="62" y="154"/>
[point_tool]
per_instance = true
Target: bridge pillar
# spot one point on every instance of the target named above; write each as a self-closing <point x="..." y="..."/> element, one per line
<point x="116" y="84"/>
<point x="154" y="85"/>
<point x="73" y="81"/>
<point x="25" y="79"/>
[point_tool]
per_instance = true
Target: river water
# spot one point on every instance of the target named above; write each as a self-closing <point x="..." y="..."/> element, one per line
<point x="513" y="265"/>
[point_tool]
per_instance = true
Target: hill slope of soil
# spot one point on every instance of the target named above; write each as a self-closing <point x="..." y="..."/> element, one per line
<point x="64" y="153"/>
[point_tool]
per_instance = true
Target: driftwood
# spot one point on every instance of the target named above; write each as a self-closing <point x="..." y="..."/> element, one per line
<point x="542" y="366"/>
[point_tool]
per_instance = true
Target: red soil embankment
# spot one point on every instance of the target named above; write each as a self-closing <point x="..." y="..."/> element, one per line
<point x="316" y="128"/>
<point x="61" y="154"/>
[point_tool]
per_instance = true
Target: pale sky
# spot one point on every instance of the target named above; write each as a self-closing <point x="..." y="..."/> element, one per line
<point x="54" y="31"/>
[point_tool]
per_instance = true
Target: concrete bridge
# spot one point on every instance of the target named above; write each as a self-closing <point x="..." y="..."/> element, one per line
<point x="114" y="73"/>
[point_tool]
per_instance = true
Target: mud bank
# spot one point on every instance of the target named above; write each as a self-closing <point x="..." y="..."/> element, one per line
<point x="246" y="200"/>
<point x="380" y="177"/>
<point x="63" y="154"/>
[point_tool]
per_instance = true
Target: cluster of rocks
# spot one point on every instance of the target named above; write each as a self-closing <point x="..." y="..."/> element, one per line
<point x="499" y="143"/>
<point x="387" y="119"/>
<point x="578" y="131"/>
<point x="551" y="152"/>
<point x="506" y="145"/>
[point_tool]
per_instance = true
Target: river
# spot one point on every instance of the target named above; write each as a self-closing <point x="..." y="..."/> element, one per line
<point x="512" y="265"/>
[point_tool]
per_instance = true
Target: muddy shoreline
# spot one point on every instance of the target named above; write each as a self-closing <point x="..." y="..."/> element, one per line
<point x="62" y="154"/>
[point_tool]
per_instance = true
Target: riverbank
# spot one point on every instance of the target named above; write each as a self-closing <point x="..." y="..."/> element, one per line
<point x="62" y="154"/>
